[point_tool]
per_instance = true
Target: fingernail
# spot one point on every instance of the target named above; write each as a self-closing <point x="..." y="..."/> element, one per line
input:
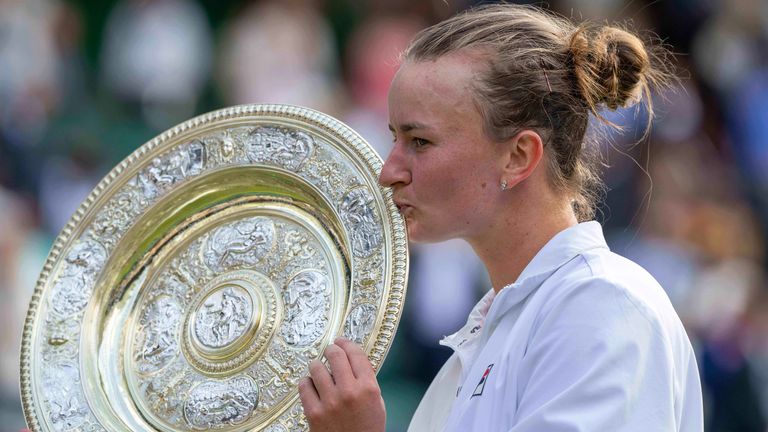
<point x="340" y="339"/>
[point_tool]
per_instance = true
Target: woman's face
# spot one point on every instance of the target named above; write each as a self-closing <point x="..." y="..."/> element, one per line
<point x="443" y="169"/>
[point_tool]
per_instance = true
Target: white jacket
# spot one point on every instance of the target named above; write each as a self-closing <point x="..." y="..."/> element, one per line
<point x="584" y="340"/>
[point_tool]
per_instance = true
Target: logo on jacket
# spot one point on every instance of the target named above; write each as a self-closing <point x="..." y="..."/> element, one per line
<point x="481" y="385"/>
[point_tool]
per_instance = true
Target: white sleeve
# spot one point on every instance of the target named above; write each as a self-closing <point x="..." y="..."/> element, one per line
<point x="433" y="410"/>
<point x="598" y="360"/>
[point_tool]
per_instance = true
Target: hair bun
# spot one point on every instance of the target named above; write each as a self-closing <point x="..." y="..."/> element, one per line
<point x="611" y="66"/>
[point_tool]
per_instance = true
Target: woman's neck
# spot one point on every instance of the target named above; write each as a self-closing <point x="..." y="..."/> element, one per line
<point x="516" y="237"/>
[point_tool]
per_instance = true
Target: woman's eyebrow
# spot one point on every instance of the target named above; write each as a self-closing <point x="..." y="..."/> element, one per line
<point x="407" y="127"/>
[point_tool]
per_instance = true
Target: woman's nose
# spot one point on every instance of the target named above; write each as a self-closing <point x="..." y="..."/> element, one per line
<point x="395" y="169"/>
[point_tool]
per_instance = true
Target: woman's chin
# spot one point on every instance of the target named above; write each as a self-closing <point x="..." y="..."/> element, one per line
<point x="416" y="235"/>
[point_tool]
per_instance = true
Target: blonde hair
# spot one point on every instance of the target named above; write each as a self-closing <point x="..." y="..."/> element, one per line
<point x="546" y="73"/>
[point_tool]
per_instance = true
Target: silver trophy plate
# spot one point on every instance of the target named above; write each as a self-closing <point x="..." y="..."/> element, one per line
<point x="203" y="274"/>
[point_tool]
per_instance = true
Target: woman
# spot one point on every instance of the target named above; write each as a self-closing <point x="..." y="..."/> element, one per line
<point x="489" y="112"/>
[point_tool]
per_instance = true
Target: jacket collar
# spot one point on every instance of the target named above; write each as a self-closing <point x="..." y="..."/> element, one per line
<point x="474" y="323"/>
<point x="560" y="249"/>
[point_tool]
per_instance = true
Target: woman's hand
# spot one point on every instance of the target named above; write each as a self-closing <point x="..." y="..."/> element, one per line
<point x="348" y="398"/>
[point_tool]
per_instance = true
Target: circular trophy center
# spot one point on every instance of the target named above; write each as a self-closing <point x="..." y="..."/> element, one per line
<point x="224" y="316"/>
<point x="230" y="320"/>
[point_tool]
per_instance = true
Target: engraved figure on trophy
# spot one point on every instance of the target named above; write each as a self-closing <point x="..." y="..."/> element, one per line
<point x="360" y="322"/>
<point x="72" y="293"/>
<point x="117" y="216"/>
<point x="171" y="284"/>
<point x="215" y="404"/>
<point x="243" y="242"/>
<point x="73" y="289"/>
<point x="226" y="147"/>
<point x="357" y="211"/>
<point x="223" y="318"/>
<point x="196" y="158"/>
<point x="185" y="162"/>
<point x="288" y="149"/>
<point x="221" y="148"/>
<point x="170" y="168"/>
<point x="165" y="394"/>
<point x="60" y="383"/>
<point x="306" y="308"/>
<point x="156" y="339"/>
<point x="153" y="178"/>
<point x="88" y="256"/>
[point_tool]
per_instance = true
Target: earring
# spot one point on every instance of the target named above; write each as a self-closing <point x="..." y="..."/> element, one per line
<point x="503" y="185"/>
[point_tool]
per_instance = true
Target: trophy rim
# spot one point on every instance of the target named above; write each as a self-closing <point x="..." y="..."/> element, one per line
<point x="393" y="295"/>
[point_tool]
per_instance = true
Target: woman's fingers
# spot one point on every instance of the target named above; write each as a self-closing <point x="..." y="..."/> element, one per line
<point x="358" y="360"/>
<point x="339" y="364"/>
<point x="347" y="401"/>
<point x="310" y="400"/>
<point x="322" y="380"/>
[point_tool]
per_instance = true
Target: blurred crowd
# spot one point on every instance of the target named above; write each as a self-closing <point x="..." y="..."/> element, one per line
<point x="84" y="83"/>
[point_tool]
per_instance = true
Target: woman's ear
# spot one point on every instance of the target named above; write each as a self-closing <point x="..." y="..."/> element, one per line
<point x="523" y="153"/>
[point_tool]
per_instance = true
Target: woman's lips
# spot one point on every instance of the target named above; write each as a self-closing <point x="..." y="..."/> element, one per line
<point x="405" y="209"/>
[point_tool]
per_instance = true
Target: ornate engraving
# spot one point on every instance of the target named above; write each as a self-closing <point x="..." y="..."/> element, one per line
<point x="298" y="250"/>
<point x="306" y="308"/>
<point x="190" y="266"/>
<point x="61" y="386"/>
<point x="161" y="173"/>
<point x="370" y="279"/>
<point x="165" y="394"/>
<point x="223" y="317"/>
<point x="86" y="257"/>
<point x="284" y="365"/>
<point x="170" y="168"/>
<point x="279" y="371"/>
<point x="72" y="290"/>
<point x="356" y="210"/>
<point x="328" y="172"/>
<point x="282" y="147"/>
<point x="157" y="340"/>
<point x="241" y="243"/>
<point x="251" y="327"/>
<point x="216" y="404"/>
<point x="62" y="339"/>
<point x="72" y="294"/>
<point x="174" y="284"/>
<point x="297" y="245"/>
<point x="118" y="215"/>
<point x="360" y="322"/>
<point x="272" y="383"/>
<point x="226" y="148"/>
<point x="91" y="425"/>
<point x="189" y="161"/>
<point x="293" y="419"/>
